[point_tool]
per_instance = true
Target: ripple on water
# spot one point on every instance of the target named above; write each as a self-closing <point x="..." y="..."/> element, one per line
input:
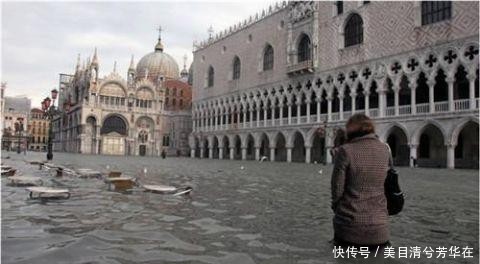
<point x="211" y="226"/>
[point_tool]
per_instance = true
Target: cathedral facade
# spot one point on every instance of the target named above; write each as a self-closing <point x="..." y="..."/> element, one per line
<point x="114" y="116"/>
<point x="280" y="83"/>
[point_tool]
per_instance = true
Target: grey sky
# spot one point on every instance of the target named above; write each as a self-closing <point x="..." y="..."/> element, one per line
<point x="42" y="39"/>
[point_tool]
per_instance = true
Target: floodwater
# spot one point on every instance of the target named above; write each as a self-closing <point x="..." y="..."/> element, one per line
<point x="263" y="213"/>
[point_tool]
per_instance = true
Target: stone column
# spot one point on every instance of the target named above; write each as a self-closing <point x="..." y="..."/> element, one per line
<point x="367" y="102"/>
<point x="238" y="119"/>
<point x="215" y="119"/>
<point x="396" y="91"/>
<point x="210" y="152"/>
<point x="232" y="153"/>
<point x="281" y="115"/>
<point x="245" y="118"/>
<point x="451" y="156"/>
<point x="202" y="153"/>
<point x="257" y="153"/>
<point x="220" y="153"/>
<point x="413" y="154"/>
<point x="244" y="153"/>
<point x="308" y="111"/>
<point x="353" y="95"/>
<point x="413" y="96"/>
<point x="289" y="113"/>
<point x="227" y="120"/>
<point x="340" y="98"/>
<point x="471" y="95"/>
<point x="258" y="116"/>
<point x="192" y="153"/>
<point x="450" y="80"/>
<point x="221" y="121"/>
<point x="298" y="112"/>
<point x="308" y="154"/>
<point x="329" y="109"/>
<point x="431" y="99"/>
<point x="251" y="117"/>
<point x="272" y="154"/>
<point x="319" y="110"/>
<point x="273" y="116"/>
<point x="289" y="154"/>
<point x="328" y="155"/>
<point x="265" y="109"/>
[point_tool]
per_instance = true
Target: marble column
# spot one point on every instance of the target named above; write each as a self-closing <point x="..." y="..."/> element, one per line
<point x="367" y="103"/>
<point x="272" y="154"/>
<point x="431" y="99"/>
<point x="308" y="154"/>
<point x="210" y="152"/>
<point x="341" y="107"/>
<point x="450" y="80"/>
<point x="289" y="113"/>
<point x="202" y="153"/>
<point x="471" y="95"/>
<point x="258" y="116"/>
<point x="413" y="155"/>
<point x="451" y="156"/>
<point x="308" y="111"/>
<point x="289" y="154"/>
<point x="220" y="153"/>
<point x="192" y="153"/>
<point x="397" y="105"/>
<point x="257" y="153"/>
<point x="273" y="116"/>
<point x="353" y="96"/>
<point x="281" y="115"/>
<point x="298" y="112"/>
<point x="319" y="109"/>
<point x="413" y="96"/>
<point x="244" y="153"/>
<point x="232" y="153"/>
<point x="265" y="109"/>
<point x="329" y="109"/>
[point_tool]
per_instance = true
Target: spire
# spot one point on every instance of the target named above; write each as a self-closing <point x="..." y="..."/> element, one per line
<point x="185" y="61"/>
<point x="210" y="33"/>
<point x="78" y="63"/>
<point x="159" y="46"/>
<point x="95" y="58"/>
<point x="115" y="66"/>
<point x="132" y="64"/>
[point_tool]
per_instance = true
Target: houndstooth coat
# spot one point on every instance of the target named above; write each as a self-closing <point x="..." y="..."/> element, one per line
<point x="358" y="195"/>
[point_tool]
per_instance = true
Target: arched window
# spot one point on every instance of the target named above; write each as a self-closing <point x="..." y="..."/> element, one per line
<point x="236" y="68"/>
<point x="268" y="58"/>
<point x="435" y="11"/>
<point x="304" y="47"/>
<point x="339" y="5"/>
<point x="114" y="124"/>
<point x="354" y="30"/>
<point x="210" y="76"/>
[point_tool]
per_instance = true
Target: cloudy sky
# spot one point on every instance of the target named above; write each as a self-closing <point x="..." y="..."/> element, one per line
<point x="42" y="39"/>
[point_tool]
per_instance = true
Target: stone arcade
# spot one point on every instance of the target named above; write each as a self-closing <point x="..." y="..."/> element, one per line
<point x="278" y="84"/>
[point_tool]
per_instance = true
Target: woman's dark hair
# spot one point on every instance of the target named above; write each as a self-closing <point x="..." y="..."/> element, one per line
<point x="340" y="137"/>
<point x="362" y="123"/>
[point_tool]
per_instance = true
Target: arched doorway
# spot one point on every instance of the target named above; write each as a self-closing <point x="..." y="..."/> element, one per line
<point x="298" y="150"/>
<point x="145" y="136"/>
<point x="197" y="147"/>
<point x="466" y="151"/>
<point x="280" y="150"/>
<point x="250" y="147"/>
<point x="397" y="140"/>
<point x="226" y="147"/>
<point x="91" y="131"/>
<point x="237" y="154"/>
<point x="318" y="148"/>
<point x="113" y="132"/>
<point x="214" y="147"/>
<point x="431" y="148"/>
<point x="264" y="145"/>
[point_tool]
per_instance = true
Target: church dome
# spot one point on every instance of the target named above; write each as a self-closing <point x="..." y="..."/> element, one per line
<point x="157" y="63"/>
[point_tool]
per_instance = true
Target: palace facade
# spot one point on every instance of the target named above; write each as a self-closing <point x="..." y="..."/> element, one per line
<point x="279" y="83"/>
<point x="114" y="116"/>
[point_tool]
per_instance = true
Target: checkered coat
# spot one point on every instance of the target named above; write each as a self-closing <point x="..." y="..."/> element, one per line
<point x="358" y="195"/>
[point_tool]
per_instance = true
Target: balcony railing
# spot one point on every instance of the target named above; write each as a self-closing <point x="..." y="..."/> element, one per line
<point x="423" y="108"/>
<point x="301" y="67"/>
<point x="404" y="110"/>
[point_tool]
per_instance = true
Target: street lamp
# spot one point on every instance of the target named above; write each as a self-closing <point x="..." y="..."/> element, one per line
<point x="49" y="111"/>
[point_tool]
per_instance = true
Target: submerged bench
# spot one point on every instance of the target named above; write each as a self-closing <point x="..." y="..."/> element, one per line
<point x="120" y="183"/>
<point x="165" y="189"/>
<point x="88" y="173"/>
<point x="47" y="192"/>
<point x="20" y="181"/>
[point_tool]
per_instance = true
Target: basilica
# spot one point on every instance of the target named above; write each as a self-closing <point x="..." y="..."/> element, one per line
<point x="148" y="114"/>
<point x="281" y="82"/>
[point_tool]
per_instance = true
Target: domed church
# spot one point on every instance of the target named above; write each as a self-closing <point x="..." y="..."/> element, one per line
<point x="114" y="116"/>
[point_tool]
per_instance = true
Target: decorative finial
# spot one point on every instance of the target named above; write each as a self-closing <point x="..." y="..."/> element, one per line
<point x="185" y="61"/>
<point x="159" y="46"/>
<point x="95" y="58"/>
<point x="132" y="65"/>
<point x="210" y="32"/>
<point x="78" y="62"/>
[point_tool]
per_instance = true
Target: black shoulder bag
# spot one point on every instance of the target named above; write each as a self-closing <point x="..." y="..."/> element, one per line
<point x="395" y="197"/>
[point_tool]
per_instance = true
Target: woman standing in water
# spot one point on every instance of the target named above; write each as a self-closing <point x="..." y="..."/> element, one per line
<point x="358" y="195"/>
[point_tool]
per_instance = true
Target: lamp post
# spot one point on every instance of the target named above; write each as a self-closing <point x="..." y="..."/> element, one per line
<point x="49" y="111"/>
